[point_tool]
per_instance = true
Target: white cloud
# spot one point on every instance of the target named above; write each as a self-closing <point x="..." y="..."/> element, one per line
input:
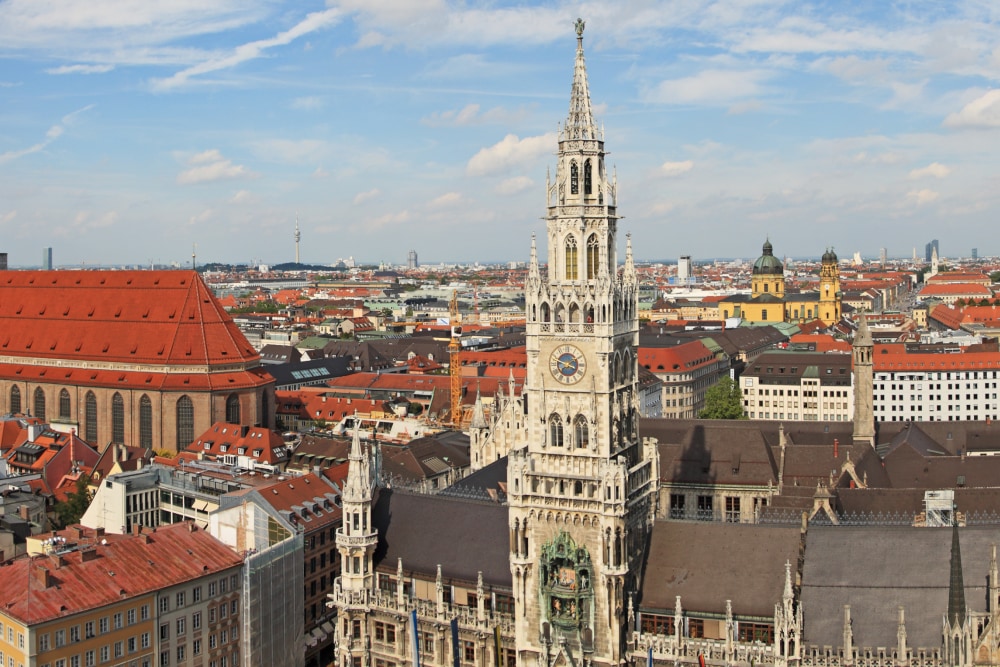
<point x="53" y="133"/>
<point x="320" y="172"/>
<point x="251" y="50"/>
<point x="921" y="197"/>
<point x="300" y="151"/>
<point x="709" y="86"/>
<point x="935" y="169"/>
<point x="514" y="185"/>
<point x="471" y="115"/>
<point x="982" y="112"/>
<point x="80" y="69"/>
<point x="7" y="217"/>
<point x="445" y="200"/>
<point x="209" y="166"/>
<point x="383" y="221"/>
<point x="676" y="168"/>
<point x="362" y="197"/>
<point x="308" y="103"/>
<point x="744" y="107"/>
<point x="510" y="152"/>
<point x="241" y="197"/>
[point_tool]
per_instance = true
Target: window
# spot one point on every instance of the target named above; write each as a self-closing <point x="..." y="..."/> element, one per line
<point x="677" y="501"/>
<point x="64" y="404"/>
<point x="15" y="400"/>
<point x="40" y="403"/>
<point x="232" y="607"/>
<point x="233" y="409"/>
<point x="385" y="632"/>
<point x="144" y="612"/>
<point x="145" y="640"/>
<point x="74" y="634"/>
<point x="181" y="626"/>
<point x="43" y="642"/>
<point x="732" y="509"/>
<point x="196" y="647"/>
<point x="185" y="422"/>
<point x="658" y="625"/>
<point x="131" y="644"/>
<point x="196" y="594"/>
<point x="468" y="651"/>
<point x="593" y="256"/>
<point x="60" y="638"/>
<point x="164" y="604"/>
<point x="105" y="653"/>
<point x="88" y="629"/>
<point x="103" y="623"/>
<point x="180" y="599"/>
<point x="555" y="430"/>
<point x="581" y="432"/>
<point x="164" y="658"/>
<point x="705" y="508"/>
<point x="587" y="180"/>
<point x="117" y="418"/>
<point x="196" y="621"/>
<point x="90" y="417"/>
<point x="756" y="632"/>
<point x="180" y="653"/>
<point x="119" y="649"/>
<point x="145" y="422"/>
<point x="130" y="616"/>
<point x="89" y="659"/>
<point x="572" y="261"/>
<point x="574" y="179"/>
<point x="164" y="632"/>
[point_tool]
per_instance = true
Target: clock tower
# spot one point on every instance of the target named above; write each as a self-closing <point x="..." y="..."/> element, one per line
<point x="581" y="484"/>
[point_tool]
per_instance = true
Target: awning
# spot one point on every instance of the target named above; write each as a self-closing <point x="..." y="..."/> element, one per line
<point x="201" y="505"/>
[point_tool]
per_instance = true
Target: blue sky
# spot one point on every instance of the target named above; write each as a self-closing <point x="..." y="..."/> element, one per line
<point x="132" y="129"/>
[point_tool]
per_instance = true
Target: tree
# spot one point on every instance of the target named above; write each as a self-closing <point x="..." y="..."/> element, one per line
<point x="723" y="400"/>
<point x="70" y="511"/>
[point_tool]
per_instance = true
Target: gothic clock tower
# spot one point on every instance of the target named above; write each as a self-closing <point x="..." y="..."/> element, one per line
<point x="581" y="485"/>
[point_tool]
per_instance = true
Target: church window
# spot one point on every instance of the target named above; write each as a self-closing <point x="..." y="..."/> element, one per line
<point x="40" y="403"/>
<point x="587" y="186"/>
<point x="15" y="400"/>
<point x="765" y="287"/>
<point x="572" y="262"/>
<point x="574" y="179"/>
<point x="555" y="430"/>
<point x="145" y="422"/>
<point x="90" y="417"/>
<point x="581" y="432"/>
<point x="185" y="422"/>
<point x="117" y="418"/>
<point x="64" y="404"/>
<point x="233" y="409"/>
<point x="593" y="256"/>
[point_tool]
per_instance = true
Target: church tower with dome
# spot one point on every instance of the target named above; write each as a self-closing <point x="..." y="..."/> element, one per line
<point x="768" y="274"/>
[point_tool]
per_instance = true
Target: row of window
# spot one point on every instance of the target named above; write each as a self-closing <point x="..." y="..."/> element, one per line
<point x="90" y="629"/>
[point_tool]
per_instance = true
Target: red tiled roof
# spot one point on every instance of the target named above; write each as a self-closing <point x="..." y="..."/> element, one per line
<point x="947" y="315"/>
<point x="122" y="568"/>
<point x="957" y="289"/>
<point x="823" y="342"/>
<point x="885" y="360"/>
<point x="135" y="317"/>
<point x="223" y="439"/>
<point x="306" y="497"/>
<point x="678" y="359"/>
<point x="253" y="377"/>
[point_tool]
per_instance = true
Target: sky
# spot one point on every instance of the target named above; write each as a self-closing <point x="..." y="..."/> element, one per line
<point x="131" y="130"/>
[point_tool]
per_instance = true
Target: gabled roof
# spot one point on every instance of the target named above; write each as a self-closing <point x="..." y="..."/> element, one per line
<point x="134" y="317"/>
<point x="309" y="501"/>
<point x="222" y="439"/>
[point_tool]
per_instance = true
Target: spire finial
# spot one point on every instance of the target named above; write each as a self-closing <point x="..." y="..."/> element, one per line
<point x="580" y="123"/>
<point x="956" y="586"/>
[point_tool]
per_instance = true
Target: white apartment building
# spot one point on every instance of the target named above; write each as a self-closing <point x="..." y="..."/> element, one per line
<point x="799" y="386"/>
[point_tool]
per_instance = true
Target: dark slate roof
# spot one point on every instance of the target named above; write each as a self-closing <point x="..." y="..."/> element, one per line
<point x="483" y="483"/>
<point x="709" y="563"/>
<point x="877" y="569"/>
<point x="316" y="371"/>
<point x="427" y="531"/>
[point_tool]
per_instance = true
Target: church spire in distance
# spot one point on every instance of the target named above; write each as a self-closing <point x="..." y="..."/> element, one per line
<point x="580" y="122"/>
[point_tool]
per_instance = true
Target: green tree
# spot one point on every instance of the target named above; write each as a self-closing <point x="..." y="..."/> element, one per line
<point x="70" y="511"/>
<point x="723" y="400"/>
<point x="995" y="276"/>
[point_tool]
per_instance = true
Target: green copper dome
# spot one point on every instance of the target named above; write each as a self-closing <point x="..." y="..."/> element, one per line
<point x="767" y="263"/>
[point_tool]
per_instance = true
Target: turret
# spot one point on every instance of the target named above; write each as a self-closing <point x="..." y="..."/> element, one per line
<point x="357" y="538"/>
<point x="864" y="377"/>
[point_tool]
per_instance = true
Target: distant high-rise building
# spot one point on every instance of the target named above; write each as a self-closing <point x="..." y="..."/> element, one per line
<point x="882" y="256"/>
<point x="3" y="261"/>
<point x="684" y="269"/>
<point x="46" y="259"/>
<point x="975" y="253"/>
<point x="411" y="260"/>
<point x="930" y="248"/>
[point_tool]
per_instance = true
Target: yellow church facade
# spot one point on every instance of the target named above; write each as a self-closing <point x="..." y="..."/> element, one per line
<point x="768" y="301"/>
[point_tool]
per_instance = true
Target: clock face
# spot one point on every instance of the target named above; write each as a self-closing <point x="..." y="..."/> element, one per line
<point x="567" y="364"/>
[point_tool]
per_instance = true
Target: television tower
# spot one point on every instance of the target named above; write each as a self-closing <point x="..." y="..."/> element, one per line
<point x="298" y="237"/>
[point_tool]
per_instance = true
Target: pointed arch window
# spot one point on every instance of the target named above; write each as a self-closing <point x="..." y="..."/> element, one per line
<point x="40" y="403"/>
<point x="572" y="259"/>
<point x="593" y="256"/>
<point x="555" y="430"/>
<point x="90" y="417"/>
<point x="117" y="419"/>
<point x="587" y="181"/>
<point x="145" y="422"/>
<point x="185" y="422"/>
<point x="64" y="404"/>
<point x="574" y="178"/>
<point x="15" y="400"/>
<point x="581" y="432"/>
<point x="233" y="409"/>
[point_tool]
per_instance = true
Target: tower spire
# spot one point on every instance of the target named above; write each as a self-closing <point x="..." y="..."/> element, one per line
<point x="580" y="122"/>
<point x="956" y="586"/>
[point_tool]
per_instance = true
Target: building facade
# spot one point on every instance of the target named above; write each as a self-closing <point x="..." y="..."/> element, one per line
<point x="799" y="386"/>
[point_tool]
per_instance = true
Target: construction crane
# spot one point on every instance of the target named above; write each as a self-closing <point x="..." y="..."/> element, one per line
<point x="455" y="360"/>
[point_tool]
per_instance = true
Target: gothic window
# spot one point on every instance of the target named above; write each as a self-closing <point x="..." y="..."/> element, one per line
<point x="233" y="409"/>
<point x="593" y="256"/>
<point x="581" y="432"/>
<point x="40" y="403"/>
<point x="574" y="312"/>
<point x="587" y="188"/>
<point x="145" y="422"/>
<point x="64" y="406"/>
<point x="574" y="179"/>
<point x="117" y="418"/>
<point x="555" y="430"/>
<point x="588" y="314"/>
<point x="90" y="424"/>
<point x="185" y="422"/>
<point x="572" y="263"/>
<point x="15" y="400"/>
<point x="546" y="316"/>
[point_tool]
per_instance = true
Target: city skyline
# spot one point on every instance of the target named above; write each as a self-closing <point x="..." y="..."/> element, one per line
<point x="131" y="132"/>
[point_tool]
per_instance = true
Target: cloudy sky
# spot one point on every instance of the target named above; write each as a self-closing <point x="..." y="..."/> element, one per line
<point x="132" y="129"/>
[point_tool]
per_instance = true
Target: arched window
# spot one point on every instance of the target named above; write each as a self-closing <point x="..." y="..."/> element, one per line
<point x="185" y="422"/>
<point x="145" y="422"/>
<point x="15" y="400"/>
<point x="572" y="262"/>
<point x="117" y="419"/>
<point x="555" y="430"/>
<point x="593" y="256"/>
<point x="64" y="405"/>
<point x="586" y="178"/>
<point x="40" y="403"/>
<point x="581" y="432"/>
<point x="90" y="418"/>
<point x="233" y="409"/>
<point x="574" y="179"/>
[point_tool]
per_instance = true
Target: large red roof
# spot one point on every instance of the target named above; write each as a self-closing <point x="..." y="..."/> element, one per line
<point x="134" y="317"/>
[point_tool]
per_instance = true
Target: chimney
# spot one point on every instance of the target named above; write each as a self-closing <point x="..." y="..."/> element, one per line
<point x="136" y="529"/>
<point x="42" y="576"/>
<point x="836" y="447"/>
<point x="23" y="512"/>
<point x="88" y="555"/>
